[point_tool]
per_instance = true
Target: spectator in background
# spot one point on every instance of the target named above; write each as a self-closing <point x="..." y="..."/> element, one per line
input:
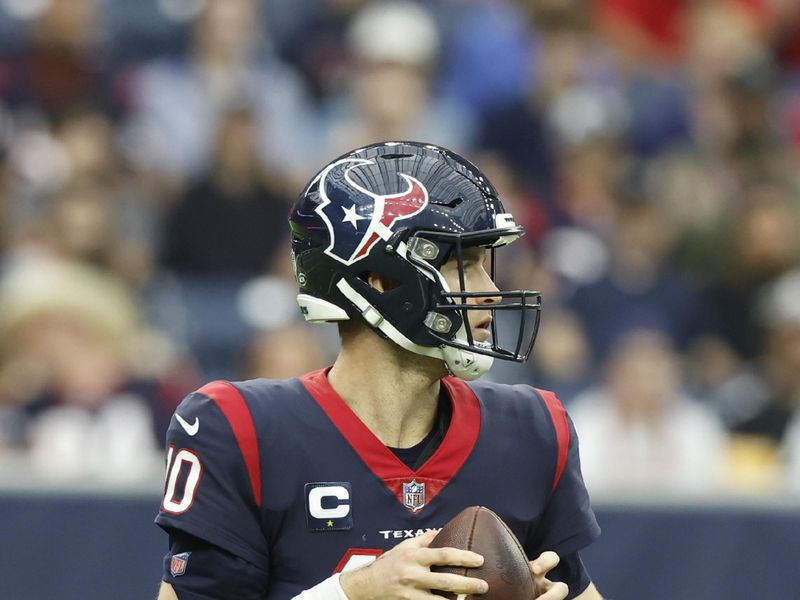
<point x="589" y="174"/>
<point x="784" y="24"/>
<point x="69" y="195"/>
<point x="395" y="47"/>
<point x="734" y="80"/>
<point x="66" y="193"/>
<point x="761" y="402"/>
<point x="763" y="244"/>
<point x="639" y="432"/>
<point x="227" y="228"/>
<point x="777" y="421"/>
<point x="284" y="352"/>
<point x="5" y="139"/>
<point x="81" y="225"/>
<point x="62" y="66"/>
<point x="640" y="289"/>
<point x="486" y="50"/>
<point x="319" y="48"/>
<point x="77" y="218"/>
<point x="641" y="32"/>
<point x="177" y="105"/>
<point x="214" y="138"/>
<point x="570" y="99"/>
<point x="232" y="202"/>
<point x="88" y="389"/>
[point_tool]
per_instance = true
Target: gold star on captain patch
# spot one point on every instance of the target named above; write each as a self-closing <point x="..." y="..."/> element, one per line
<point x="329" y="523"/>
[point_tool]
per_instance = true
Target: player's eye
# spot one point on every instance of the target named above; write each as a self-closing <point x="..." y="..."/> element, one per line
<point x="474" y="256"/>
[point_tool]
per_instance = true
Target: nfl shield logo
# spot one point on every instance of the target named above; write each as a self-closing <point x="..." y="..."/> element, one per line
<point x="414" y="495"/>
<point x="177" y="566"/>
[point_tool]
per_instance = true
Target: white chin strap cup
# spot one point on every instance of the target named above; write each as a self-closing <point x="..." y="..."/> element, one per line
<point x="461" y="363"/>
<point x="464" y="364"/>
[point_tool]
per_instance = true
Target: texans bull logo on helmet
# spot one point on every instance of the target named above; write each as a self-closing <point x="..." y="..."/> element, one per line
<point x="356" y="217"/>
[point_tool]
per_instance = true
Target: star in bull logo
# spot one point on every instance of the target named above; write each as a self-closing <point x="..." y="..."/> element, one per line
<point x="357" y="217"/>
<point x="414" y="495"/>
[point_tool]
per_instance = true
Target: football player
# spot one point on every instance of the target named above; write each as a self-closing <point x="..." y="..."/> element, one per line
<point x="332" y="485"/>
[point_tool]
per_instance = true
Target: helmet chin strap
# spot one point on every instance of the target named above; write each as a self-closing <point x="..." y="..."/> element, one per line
<point x="459" y="362"/>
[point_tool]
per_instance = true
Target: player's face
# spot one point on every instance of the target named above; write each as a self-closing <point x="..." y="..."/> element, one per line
<point x="476" y="279"/>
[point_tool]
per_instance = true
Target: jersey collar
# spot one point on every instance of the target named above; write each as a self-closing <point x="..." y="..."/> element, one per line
<point x="443" y="464"/>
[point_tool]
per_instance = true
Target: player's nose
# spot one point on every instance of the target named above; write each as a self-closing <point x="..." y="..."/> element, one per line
<point x="487" y="286"/>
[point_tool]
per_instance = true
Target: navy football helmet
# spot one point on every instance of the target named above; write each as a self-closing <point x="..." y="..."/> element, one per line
<point x="401" y="210"/>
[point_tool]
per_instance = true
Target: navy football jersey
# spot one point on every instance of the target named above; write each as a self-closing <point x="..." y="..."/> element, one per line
<point x="283" y="475"/>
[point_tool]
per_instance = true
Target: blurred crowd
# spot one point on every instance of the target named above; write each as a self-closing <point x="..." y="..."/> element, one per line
<point x="149" y="152"/>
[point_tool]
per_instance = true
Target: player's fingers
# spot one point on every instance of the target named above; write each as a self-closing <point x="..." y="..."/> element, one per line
<point x="422" y="541"/>
<point x="545" y="562"/>
<point x="449" y="556"/>
<point x="556" y="591"/>
<point x="411" y="545"/>
<point x="448" y="582"/>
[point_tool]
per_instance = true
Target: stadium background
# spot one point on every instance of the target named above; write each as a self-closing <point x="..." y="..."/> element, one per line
<point x="149" y="151"/>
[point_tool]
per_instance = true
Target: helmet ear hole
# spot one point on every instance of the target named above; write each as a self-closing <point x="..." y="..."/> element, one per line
<point x="380" y="282"/>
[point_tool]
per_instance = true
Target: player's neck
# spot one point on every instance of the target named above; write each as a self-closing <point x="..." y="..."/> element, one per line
<point x="394" y="392"/>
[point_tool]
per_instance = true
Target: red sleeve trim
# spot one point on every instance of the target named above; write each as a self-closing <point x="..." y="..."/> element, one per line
<point x="233" y="406"/>
<point x="561" y="424"/>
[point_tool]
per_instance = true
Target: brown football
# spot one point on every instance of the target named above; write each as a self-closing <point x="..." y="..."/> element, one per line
<point x="505" y="566"/>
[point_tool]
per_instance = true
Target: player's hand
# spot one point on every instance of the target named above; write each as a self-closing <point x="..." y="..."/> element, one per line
<point x="546" y="589"/>
<point x="404" y="573"/>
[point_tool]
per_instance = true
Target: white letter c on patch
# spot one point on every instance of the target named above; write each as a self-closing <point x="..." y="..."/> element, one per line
<point x="315" y="496"/>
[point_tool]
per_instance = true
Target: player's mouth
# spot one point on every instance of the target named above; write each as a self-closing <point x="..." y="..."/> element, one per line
<point x="482" y="332"/>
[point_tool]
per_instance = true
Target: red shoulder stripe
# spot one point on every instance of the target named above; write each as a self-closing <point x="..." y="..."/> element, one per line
<point x="233" y="406"/>
<point x="559" y="416"/>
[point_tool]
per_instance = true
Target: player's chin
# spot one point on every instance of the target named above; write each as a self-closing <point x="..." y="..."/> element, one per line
<point x="482" y="336"/>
